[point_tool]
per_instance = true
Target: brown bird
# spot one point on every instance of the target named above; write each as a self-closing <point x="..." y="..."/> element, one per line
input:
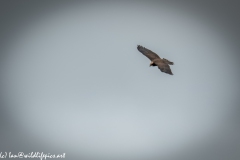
<point x="163" y="64"/>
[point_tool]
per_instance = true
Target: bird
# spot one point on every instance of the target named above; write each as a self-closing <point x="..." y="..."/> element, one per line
<point x="162" y="63"/>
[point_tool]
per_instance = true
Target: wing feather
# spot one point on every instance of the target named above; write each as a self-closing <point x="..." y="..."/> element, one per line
<point x="148" y="53"/>
<point x="164" y="67"/>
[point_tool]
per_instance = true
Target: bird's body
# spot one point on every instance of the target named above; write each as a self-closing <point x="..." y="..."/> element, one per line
<point x="163" y="64"/>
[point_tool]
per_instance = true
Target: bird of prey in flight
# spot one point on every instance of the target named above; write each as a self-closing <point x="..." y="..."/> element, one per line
<point x="163" y="64"/>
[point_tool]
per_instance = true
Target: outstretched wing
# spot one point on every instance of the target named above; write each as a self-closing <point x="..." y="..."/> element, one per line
<point x="148" y="53"/>
<point x="164" y="67"/>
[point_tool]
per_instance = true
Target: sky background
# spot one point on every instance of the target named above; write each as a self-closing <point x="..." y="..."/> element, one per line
<point x="72" y="80"/>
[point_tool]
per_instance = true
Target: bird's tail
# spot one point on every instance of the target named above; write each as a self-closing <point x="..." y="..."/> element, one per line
<point x="167" y="61"/>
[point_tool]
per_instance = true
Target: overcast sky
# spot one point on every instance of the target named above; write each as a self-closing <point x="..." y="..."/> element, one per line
<point x="74" y="82"/>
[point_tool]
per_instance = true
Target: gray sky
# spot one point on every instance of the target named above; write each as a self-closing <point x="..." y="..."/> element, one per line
<point x="74" y="82"/>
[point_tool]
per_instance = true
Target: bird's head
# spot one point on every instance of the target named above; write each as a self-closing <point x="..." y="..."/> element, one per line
<point x="151" y="64"/>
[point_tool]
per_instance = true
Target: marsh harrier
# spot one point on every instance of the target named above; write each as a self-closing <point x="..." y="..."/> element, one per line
<point x="163" y="64"/>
